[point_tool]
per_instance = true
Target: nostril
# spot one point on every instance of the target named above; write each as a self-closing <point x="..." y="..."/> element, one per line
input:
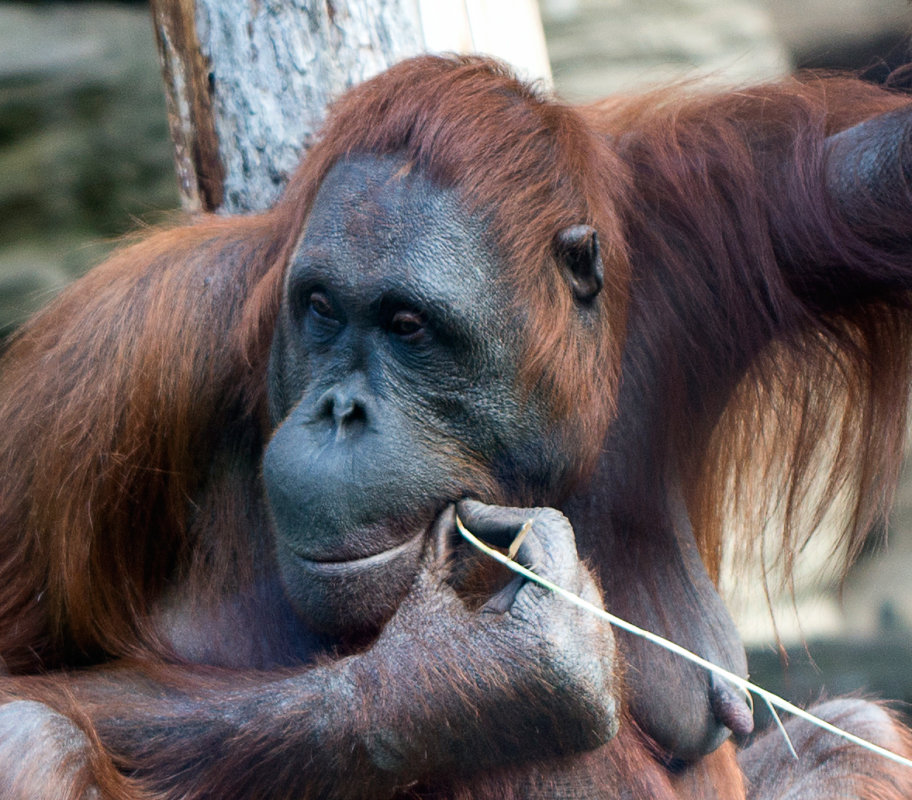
<point x="350" y="412"/>
<point x="343" y="409"/>
<point x="326" y="406"/>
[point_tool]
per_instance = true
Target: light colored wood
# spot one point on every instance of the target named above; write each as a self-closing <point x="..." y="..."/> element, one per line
<point x="248" y="84"/>
<point x="510" y="30"/>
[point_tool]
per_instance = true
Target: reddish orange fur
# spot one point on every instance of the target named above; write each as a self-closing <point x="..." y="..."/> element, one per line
<point x="94" y="515"/>
<point x="132" y="410"/>
<point x="146" y="333"/>
<point x="845" y="370"/>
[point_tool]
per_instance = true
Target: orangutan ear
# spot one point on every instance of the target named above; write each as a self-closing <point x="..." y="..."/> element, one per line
<point x="577" y="251"/>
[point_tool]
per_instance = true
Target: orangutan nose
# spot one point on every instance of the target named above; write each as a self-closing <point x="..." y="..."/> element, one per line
<point x="345" y="408"/>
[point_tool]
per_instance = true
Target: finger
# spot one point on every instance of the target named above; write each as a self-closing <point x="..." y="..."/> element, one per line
<point x="438" y="549"/>
<point x="443" y="531"/>
<point x="549" y="550"/>
<point x="501" y="602"/>
<point x="497" y="525"/>
<point x="545" y="539"/>
<point x="550" y="547"/>
<point x="590" y="592"/>
<point x="502" y="527"/>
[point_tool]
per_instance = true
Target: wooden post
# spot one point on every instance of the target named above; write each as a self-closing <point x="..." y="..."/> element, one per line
<point x="247" y="84"/>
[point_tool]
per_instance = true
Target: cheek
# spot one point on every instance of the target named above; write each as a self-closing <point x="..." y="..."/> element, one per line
<point x="337" y="497"/>
<point x="536" y="465"/>
<point x="507" y="437"/>
<point x="287" y="373"/>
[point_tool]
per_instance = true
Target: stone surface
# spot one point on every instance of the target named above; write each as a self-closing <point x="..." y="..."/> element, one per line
<point x="602" y="46"/>
<point x="816" y="31"/>
<point x="84" y="148"/>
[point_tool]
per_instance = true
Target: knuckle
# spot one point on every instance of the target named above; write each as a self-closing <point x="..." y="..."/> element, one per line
<point x="533" y="602"/>
<point x="586" y="693"/>
<point x="591" y="691"/>
<point x="590" y="591"/>
<point x="548" y="517"/>
<point x="529" y="620"/>
<point x="605" y="721"/>
<point x="554" y="531"/>
<point x="573" y="663"/>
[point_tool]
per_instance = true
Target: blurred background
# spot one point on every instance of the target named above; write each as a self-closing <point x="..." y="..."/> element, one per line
<point x="85" y="157"/>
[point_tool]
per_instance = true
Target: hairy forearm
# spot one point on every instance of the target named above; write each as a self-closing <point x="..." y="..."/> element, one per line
<point x="362" y="726"/>
<point x="406" y="711"/>
<point x="193" y="733"/>
<point x="445" y="692"/>
<point x="229" y="735"/>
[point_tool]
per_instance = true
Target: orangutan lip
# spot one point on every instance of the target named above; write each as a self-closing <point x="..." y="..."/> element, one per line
<point x="370" y="562"/>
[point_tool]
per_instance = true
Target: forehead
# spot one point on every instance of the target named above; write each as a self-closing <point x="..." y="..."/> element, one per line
<point x="376" y="220"/>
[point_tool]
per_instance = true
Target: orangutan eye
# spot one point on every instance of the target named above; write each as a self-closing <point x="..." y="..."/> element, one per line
<point x="407" y="325"/>
<point x="318" y="304"/>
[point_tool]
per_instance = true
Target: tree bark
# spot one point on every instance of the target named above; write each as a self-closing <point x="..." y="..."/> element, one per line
<point x="248" y="82"/>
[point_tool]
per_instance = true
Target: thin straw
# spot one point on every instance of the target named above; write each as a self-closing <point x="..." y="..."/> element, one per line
<point x="736" y="680"/>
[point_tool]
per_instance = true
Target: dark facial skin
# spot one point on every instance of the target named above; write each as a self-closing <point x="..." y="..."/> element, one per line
<point x="393" y="373"/>
<point x="395" y="392"/>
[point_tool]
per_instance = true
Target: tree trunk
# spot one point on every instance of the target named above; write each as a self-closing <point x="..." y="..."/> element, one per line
<point x="247" y="84"/>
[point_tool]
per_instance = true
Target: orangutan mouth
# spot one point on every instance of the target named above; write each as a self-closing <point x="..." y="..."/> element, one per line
<point x="366" y="563"/>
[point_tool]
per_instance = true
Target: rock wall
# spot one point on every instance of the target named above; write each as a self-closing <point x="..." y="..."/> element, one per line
<point x="602" y="46"/>
<point x="84" y="147"/>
